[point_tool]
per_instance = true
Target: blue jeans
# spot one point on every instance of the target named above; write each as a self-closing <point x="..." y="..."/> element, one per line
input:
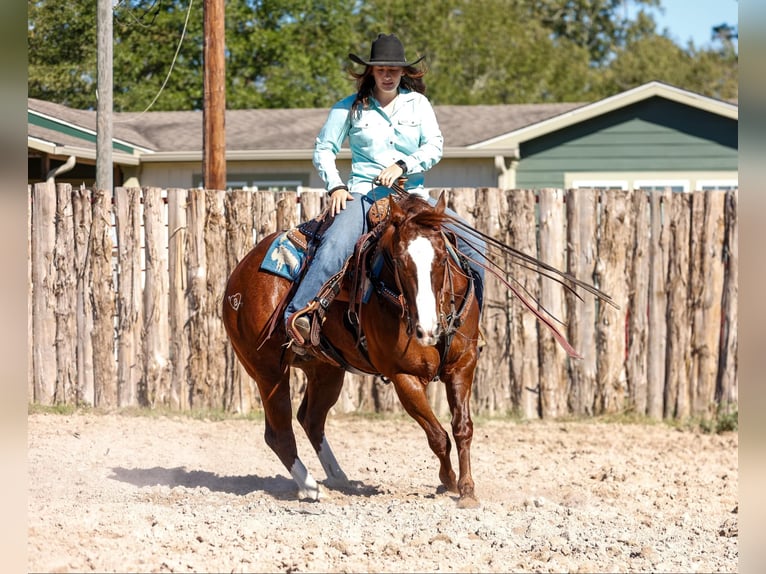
<point x="339" y="240"/>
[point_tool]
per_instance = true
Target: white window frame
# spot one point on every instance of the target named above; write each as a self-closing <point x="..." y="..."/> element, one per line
<point x="726" y="184"/>
<point x="659" y="184"/>
<point x="600" y="184"/>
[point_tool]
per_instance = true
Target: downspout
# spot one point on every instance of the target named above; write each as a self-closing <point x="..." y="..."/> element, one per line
<point x="506" y="174"/>
<point x="63" y="168"/>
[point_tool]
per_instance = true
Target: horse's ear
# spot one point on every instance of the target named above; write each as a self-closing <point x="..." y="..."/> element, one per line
<point x="441" y="203"/>
<point x="397" y="213"/>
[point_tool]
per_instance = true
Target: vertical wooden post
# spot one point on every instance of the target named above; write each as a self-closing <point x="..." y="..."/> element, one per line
<point x="726" y="388"/>
<point x="43" y="281"/>
<point x="196" y="297"/>
<point x="214" y="86"/>
<point x="104" y="104"/>
<point x="127" y="203"/>
<point x="657" y="330"/>
<point x="156" y="381"/>
<point x="65" y="299"/>
<point x="581" y="263"/>
<point x="678" y="323"/>
<point x="242" y="396"/>
<point x="215" y="247"/>
<point x="83" y="222"/>
<point x="553" y="379"/>
<point x="523" y="335"/>
<point x="705" y="299"/>
<point x="104" y="367"/>
<point x="495" y="375"/>
<point x="614" y="260"/>
<point x="177" y="281"/>
<point x="639" y="301"/>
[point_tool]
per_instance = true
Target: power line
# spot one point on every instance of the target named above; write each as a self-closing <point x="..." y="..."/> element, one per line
<point x="172" y="64"/>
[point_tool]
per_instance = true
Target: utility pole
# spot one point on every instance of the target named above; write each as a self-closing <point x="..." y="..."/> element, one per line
<point x="214" y="105"/>
<point x="104" y="166"/>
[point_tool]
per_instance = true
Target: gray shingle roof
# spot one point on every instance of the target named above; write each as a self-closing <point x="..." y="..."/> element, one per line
<point x="276" y="129"/>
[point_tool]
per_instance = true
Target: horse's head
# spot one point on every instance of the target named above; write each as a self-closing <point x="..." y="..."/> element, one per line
<point x="417" y="249"/>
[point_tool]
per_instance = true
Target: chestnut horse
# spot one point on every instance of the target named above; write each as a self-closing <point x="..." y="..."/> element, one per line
<point x="432" y="333"/>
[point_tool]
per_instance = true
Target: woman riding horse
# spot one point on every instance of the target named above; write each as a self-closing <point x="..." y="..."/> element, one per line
<point x="392" y="132"/>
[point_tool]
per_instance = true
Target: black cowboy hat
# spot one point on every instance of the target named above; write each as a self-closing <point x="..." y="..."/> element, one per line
<point x="386" y="50"/>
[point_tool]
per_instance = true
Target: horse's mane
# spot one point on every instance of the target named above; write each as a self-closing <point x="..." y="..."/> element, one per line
<point x="421" y="213"/>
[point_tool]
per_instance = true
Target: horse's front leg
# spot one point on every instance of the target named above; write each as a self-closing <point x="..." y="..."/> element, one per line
<point x="458" y="386"/>
<point x="412" y="394"/>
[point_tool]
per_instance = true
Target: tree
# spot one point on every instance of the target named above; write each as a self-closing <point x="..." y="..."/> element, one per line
<point x="294" y="53"/>
<point x="595" y="25"/>
<point x="61" y="48"/>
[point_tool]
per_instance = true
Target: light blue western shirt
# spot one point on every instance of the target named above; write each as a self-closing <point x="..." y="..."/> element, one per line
<point x="377" y="140"/>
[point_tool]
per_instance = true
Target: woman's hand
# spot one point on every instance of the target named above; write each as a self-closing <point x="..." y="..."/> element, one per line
<point x="338" y="200"/>
<point x="389" y="175"/>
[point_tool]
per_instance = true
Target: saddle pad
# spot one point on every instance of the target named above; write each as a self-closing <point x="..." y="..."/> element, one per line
<point x="283" y="258"/>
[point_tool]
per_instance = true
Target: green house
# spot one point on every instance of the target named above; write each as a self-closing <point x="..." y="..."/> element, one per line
<point x="652" y="136"/>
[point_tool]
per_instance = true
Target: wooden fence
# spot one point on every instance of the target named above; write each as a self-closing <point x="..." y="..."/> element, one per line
<point x="125" y="300"/>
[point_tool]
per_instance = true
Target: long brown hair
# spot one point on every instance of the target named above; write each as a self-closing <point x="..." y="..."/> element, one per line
<point x="412" y="79"/>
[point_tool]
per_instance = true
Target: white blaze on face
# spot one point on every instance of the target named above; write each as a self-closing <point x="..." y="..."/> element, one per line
<point x="422" y="253"/>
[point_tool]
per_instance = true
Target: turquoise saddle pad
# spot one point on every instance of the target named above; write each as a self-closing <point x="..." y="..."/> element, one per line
<point x="283" y="258"/>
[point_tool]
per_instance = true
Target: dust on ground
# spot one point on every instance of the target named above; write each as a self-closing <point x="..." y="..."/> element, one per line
<point x="111" y="492"/>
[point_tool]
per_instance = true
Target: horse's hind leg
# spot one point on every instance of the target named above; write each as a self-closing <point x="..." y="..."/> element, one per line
<point x="324" y="383"/>
<point x="412" y="394"/>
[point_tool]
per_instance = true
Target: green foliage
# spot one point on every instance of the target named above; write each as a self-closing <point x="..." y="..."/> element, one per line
<point x="294" y="53"/>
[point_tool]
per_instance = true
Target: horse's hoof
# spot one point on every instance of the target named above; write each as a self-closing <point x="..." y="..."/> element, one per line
<point x="309" y="494"/>
<point x="468" y="502"/>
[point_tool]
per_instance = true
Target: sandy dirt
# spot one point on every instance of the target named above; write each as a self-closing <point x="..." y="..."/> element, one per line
<point x="174" y="494"/>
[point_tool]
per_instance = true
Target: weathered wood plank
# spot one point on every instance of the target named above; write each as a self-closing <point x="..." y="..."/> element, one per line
<point x="102" y="284"/>
<point x="638" y="328"/>
<point x="65" y="299"/>
<point x="83" y="220"/>
<point x="130" y="370"/>
<point x="660" y="209"/>
<point x="581" y="263"/>
<point x="615" y="245"/>
<point x="553" y="376"/>
<point x="43" y="292"/>
<point x="177" y="280"/>
<point x="523" y="336"/>
<point x="156" y="343"/>
<point x="678" y="321"/>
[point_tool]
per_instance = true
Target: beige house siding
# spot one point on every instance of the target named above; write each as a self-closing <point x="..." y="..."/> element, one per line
<point x="474" y="172"/>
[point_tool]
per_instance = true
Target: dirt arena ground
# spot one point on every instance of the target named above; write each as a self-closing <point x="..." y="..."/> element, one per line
<point x="175" y="494"/>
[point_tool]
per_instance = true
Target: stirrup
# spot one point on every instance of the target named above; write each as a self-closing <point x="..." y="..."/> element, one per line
<point x="298" y="328"/>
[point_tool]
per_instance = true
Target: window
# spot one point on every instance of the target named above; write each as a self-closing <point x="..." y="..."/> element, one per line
<point x="675" y="185"/>
<point x="724" y="184"/>
<point x="600" y="184"/>
<point x="261" y="181"/>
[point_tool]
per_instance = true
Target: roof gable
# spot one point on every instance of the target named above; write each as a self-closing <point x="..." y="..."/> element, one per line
<point x="587" y="112"/>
